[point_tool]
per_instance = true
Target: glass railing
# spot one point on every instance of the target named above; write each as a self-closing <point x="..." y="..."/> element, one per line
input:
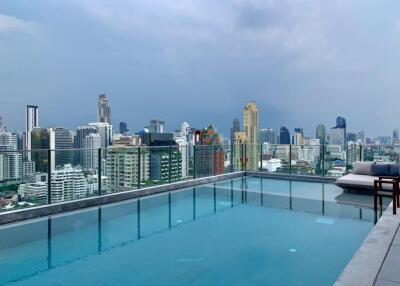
<point x="38" y="177"/>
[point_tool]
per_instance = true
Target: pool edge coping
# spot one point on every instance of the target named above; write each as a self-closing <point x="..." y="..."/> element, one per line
<point x="364" y="267"/>
<point x="62" y="207"/>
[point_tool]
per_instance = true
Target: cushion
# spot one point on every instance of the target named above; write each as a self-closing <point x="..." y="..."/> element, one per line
<point x="362" y="168"/>
<point x="380" y="169"/>
<point x="354" y="180"/>
<point x="395" y="170"/>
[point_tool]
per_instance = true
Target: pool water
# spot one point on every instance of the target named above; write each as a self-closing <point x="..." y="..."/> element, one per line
<point x="246" y="231"/>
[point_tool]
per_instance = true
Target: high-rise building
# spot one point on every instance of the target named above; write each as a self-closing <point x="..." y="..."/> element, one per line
<point x="165" y="164"/>
<point x="68" y="183"/>
<point x="235" y="128"/>
<point x="28" y="168"/>
<point x="351" y="137"/>
<point x="353" y="153"/>
<point x="123" y="167"/>
<point x="396" y="136"/>
<point x="3" y="127"/>
<point x="320" y="134"/>
<point x="341" y="122"/>
<point x="185" y="128"/>
<point x="337" y="136"/>
<point x="32" y="121"/>
<point x="209" y="154"/>
<point x="105" y="130"/>
<point x="42" y="140"/>
<point x="284" y="135"/>
<point x="79" y="142"/>
<point x="10" y="162"/>
<point x="81" y="134"/>
<point x="156" y="126"/>
<point x="267" y="135"/>
<point x="361" y="137"/>
<point x="299" y="130"/>
<point x="128" y="140"/>
<point x="64" y="142"/>
<point x="91" y="144"/>
<point x="103" y="110"/>
<point x="123" y="128"/>
<point x="250" y="126"/>
<point x="239" y="142"/>
<point x="297" y="138"/>
<point x="9" y="139"/>
<point x="182" y="139"/>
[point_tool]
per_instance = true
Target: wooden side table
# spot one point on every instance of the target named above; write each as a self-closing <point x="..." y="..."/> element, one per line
<point x="394" y="182"/>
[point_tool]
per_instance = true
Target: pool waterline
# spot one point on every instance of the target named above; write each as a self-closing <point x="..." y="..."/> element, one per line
<point x="177" y="216"/>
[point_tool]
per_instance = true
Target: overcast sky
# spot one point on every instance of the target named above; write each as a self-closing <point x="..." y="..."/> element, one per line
<point x="304" y="62"/>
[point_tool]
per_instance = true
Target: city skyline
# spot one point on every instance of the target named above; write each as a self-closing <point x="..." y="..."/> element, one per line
<point x="226" y="133"/>
<point x="299" y="60"/>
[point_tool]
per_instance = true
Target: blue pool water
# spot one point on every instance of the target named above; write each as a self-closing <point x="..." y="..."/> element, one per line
<point x="248" y="231"/>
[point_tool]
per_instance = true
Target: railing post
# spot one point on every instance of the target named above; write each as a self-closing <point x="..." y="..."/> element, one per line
<point x="99" y="161"/>
<point x="361" y="157"/>
<point x="49" y="152"/>
<point x="323" y="160"/>
<point x="261" y="157"/>
<point x="214" y="155"/>
<point x="245" y="157"/>
<point x="169" y="163"/>
<point x="347" y="155"/>
<point x="290" y="158"/>
<point x="232" y="157"/>
<point x="194" y="161"/>
<point x="139" y="168"/>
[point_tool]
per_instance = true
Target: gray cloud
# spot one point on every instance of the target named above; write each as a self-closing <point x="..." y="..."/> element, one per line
<point x="304" y="62"/>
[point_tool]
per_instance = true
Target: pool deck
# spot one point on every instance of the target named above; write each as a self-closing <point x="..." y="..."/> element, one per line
<point x="389" y="274"/>
<point x="377" y="262"/>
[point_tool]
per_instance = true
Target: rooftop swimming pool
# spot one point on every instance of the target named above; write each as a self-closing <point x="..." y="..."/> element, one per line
<point x="246" y="231"/>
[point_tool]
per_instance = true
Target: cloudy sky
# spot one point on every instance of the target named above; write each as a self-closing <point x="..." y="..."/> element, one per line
<point x="303" y="61"/>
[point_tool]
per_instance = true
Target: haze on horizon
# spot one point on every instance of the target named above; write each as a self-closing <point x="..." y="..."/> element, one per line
<point x="304" y="62"/>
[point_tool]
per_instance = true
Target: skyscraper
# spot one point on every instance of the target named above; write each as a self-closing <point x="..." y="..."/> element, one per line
<point x="123" y="167"/>
<point x="396" y="136"/>
<point x="267" y="135"/>
<point x="250" y="124"/>
<point x="79" y="142"/>
<point x="64" y="142"/>
<point x="10" y="162"/>
<point x="42" y="138"/>
<point x="338" y="134"/>
<point x="235" y="128"/>
<point x="284" y="135"/>
<point x="209" y="154"/>
<point x="238" y="148"/>
<point x="340" y="122"/>
<point x="2" y="125"/>
<point x="361" y="136"/>
<point x="105" y="131"/>
<point x="91" y="143"/>
<point x="32" y="121"/>
<point x="123" y="128"/>
<point x="320" y="134"/>
<point x="299" y="130"/>
<point x="297" y="138"/>
<point x="103" y="109"/>
<point x="156" y="126"/>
